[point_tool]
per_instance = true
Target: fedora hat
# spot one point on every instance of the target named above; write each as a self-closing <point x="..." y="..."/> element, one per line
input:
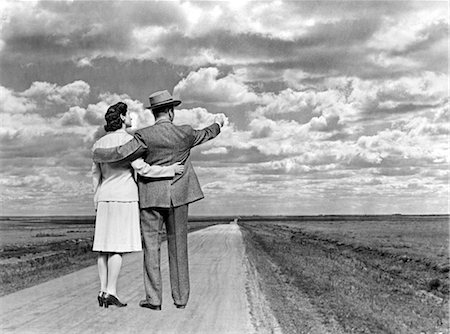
<point x="161" y="99"/>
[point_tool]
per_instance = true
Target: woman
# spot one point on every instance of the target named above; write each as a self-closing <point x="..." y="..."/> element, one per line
<point x="117" y="228"/>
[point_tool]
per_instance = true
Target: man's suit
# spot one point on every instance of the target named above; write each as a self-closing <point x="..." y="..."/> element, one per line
<point x="164" y="201"/>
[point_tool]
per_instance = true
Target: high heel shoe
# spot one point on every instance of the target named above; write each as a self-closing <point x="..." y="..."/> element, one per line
<point x="112" y="300"/>
<point x="101" y="298"/>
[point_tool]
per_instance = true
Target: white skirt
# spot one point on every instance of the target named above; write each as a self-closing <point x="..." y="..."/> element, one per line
<point x="117" y="227"/>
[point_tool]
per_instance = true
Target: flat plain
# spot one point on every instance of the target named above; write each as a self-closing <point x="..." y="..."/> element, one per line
<point x="353" y="274"/>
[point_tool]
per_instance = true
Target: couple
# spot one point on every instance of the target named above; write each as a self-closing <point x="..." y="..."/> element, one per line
<point x="160" y="156"/>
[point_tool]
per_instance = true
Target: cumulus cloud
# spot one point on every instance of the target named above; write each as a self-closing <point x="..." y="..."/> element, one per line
<point x="44" y="145"/>
<point x="312" y="110"/>
<point x="428" y="88"/>
<point x="74" y="117"/>
<point x="29" y="123"/>
<point x="196" y="117"/>
<point x="423" y="126"/>
<point x="405" y="33"/>
<point x="94" y="114"/>
<point x="361" y="99"/>
<point x="46" y="93"/>
<point x="216" y="150"/>
<point x="291" y="35"/>
<point x="44" y="98"/>
<point x="206" y="85"/>
<point x="84" y="62"/>
<point x="11" y="102"/>
<point x="68" y="28"/>
<point x="261" y="39"/>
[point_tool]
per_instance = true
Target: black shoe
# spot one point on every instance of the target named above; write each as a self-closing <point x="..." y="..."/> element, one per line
<point x="112" y="300"/>
<point x="146" y="304"/>
<point x="180" y="306"/>
<point x="101" y="298"/>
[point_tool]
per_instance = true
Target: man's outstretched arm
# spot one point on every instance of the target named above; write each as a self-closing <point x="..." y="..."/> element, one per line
<point x="130" y="151"/>
<point x="201" y="136"/>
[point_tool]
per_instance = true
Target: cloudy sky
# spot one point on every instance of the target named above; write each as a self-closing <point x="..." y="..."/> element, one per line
<point x="332" y="107"/>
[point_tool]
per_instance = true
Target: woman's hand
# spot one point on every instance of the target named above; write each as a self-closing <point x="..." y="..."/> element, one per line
<point x="178" y="168"/>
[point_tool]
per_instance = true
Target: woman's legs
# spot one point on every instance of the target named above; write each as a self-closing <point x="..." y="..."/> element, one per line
<point x="102" y="264"/>
<point x="109" y="265"/>
<point x="114" y="265"/>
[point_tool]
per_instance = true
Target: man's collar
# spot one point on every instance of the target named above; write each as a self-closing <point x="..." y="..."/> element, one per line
<point x="163" y="120"/>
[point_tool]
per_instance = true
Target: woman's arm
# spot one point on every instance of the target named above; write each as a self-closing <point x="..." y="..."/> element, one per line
<point x="96" y="180"/>
<point x="155" y="171"/>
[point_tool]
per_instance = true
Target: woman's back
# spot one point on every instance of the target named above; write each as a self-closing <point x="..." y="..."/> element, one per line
<point x="116" y="180"/>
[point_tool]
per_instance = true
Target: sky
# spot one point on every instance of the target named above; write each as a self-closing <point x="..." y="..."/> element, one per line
<point x="332" y="107"/>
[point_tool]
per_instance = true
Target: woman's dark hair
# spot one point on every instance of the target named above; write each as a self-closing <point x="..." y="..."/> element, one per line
<point x="112" y="117"/>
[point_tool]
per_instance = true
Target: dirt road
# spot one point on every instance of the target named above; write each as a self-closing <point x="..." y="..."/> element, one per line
<point x="224" y="296"/>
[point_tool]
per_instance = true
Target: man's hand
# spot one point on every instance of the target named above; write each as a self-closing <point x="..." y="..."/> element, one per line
<point x="219" y="119"/>
<point x="178" y="168"/>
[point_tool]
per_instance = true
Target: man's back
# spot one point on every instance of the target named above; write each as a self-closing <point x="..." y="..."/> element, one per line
<point x="166" y="144"/>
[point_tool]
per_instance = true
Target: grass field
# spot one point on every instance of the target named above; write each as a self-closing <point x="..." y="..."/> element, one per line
<point x="336" y="274"/>
<point x="36" y="249"/>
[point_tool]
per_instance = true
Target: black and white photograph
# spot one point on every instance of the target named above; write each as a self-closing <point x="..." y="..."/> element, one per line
<point x="224" y="167"/>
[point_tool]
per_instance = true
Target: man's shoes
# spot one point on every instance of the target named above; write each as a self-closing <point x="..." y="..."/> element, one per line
<point x="146" y="304"/>
<point x="180" y="306"/>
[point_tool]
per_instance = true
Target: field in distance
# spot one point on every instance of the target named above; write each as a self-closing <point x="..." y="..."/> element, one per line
<point x="353" y="274"/>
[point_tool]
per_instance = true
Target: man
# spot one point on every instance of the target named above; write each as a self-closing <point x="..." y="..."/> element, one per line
<point x="164" y="201"/>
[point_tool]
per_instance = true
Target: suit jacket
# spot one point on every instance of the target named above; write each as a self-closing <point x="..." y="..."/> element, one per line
<point x="163" y="144"/>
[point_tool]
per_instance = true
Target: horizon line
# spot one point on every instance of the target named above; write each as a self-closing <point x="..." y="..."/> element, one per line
<point x="258" y="215"/>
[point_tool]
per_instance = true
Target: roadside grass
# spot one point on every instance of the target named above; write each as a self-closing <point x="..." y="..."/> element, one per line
<point x="41" y="263"/>
<point x="335" y="282"/>
<point x="44" y="235"/>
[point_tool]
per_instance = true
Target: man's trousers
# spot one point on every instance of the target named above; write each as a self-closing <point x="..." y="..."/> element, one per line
<point x="175" y="220"/>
